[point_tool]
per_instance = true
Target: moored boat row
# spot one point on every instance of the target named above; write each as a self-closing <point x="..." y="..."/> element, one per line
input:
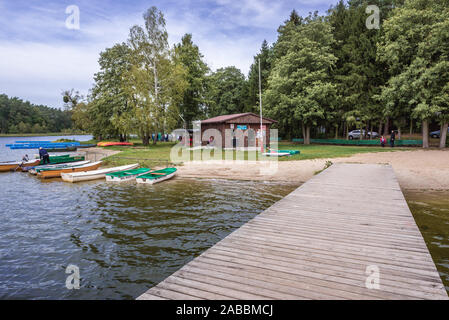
<point x="75" y="171"/>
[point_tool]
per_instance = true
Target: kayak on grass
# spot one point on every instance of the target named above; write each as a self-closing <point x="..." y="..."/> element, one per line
<point x="110" y="144"/>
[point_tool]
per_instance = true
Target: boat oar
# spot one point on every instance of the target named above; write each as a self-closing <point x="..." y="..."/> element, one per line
<point x="18" y="166"/>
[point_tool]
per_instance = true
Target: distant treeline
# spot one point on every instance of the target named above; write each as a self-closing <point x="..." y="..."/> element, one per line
<point x="18" y="116"/>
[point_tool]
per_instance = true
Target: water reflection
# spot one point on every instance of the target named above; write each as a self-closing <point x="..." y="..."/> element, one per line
<point x="431" y="212"/>
<point x="124" y="238"/>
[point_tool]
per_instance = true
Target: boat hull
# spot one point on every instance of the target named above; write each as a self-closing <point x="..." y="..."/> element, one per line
<point x="94" y="175"/>
<point x="47" y="174"/>
<point x="15" y="166"/>
<point x="154" y="181"/>
<point x="127" y="177"/>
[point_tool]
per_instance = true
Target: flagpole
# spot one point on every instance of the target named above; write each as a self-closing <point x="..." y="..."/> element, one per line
<point x="260" y="106"/>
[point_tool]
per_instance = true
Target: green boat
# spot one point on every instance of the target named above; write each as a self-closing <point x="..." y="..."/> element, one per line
<point x="64" y="159"/>
<point x="126" y="175"/>
<point x="157" y="176"/>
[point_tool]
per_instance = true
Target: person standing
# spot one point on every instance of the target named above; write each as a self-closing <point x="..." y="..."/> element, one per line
<point x="383" y="141"/>
<point x="43" y="154"/>
<point x="392" y="138"/>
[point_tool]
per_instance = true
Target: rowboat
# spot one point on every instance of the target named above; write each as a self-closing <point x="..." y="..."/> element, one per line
<point x="56" y="172"/>
<point x="157" y="176"/>
<point x="95" y="174"/>
<point x="126" y="175"/>
<point x="36" y="169"/>
<point x="64" y="159"/>
<point x="17" y="165"/>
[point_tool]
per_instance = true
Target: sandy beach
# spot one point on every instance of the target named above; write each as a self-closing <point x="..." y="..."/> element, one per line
<point x="417" y="169"/>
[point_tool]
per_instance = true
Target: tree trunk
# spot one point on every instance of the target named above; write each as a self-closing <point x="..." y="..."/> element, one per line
<point x="425" y="134"/>
<point x="380" y="127"/>
<point x="399" y="133"/>
<point x="411" y="126"/>
<point x="371" y="131"/>
<point x="387" y="127"/>
<point x="344" y="131"/>
<point x="443" y="135"/>
<point x="306" y="133"/>
<point x="336" y="132"/>
<point x="146" y="139"/>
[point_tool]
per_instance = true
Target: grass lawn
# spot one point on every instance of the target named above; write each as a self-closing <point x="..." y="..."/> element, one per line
<point x="159" y="154"/>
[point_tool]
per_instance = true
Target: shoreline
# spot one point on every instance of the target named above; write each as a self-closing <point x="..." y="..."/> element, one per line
<point x="415" y="170"/>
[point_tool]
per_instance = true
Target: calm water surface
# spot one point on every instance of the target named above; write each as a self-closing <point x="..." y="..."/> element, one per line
<point x="124" y="238"/>
<point x="431" y="212"/>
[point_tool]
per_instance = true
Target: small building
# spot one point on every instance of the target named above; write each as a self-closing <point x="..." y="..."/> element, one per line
<point x="242" y="129"/>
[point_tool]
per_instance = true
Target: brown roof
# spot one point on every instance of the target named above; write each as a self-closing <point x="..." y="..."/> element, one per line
<point x="228" y="117"/>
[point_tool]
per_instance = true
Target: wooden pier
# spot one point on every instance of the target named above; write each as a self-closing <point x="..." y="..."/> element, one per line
<point x="325" y="240"/>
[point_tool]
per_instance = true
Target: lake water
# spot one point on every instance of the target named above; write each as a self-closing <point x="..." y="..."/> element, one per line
<point x="124" y="238"/>
<point x="431" y="212"/>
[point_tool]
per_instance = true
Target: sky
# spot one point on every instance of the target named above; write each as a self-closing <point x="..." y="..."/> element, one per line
<point x="40" y="57"/>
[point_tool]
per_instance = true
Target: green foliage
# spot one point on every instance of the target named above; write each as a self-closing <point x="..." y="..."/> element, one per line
<point x="18" y="116"/>
<point x="226" y="92"/>
<point x="299" y="85"/>
<point x="415" y="47"/>
<point x="194" y="101"/>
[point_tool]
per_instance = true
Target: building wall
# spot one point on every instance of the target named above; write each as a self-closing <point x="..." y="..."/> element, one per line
<point x="248" y="121"/>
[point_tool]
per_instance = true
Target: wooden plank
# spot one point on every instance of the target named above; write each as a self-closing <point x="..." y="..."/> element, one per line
<point x="316" y="243"/>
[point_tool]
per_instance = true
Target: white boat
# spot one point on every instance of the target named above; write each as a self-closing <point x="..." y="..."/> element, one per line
<point x="157" y="176"/>
<point x="276" y="154"/>
<point x="126" y="175"/>
<point x="56" y="166"/>
<point x="94" y="174"/>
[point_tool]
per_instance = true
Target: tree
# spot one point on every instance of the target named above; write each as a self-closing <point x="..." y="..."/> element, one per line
<point x="415" y="47"/>
<point x="194" y="100"/>
<point x="252" y="96"/>
<point x="109" y="100"/>
<point x="358" y="75"/>
<point x="299" y="85"/>
<point x="227" y="92"/>
<point x="155" y="82"/>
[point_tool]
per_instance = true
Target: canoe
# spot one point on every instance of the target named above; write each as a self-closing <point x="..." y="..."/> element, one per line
<point x="36" y="169"/>
<point x="12" y="166"/>
<point x="126" y="175"/>
<point x="56" y="172"/>
<point x="110" y="143"/>
<point x="94" y="174"/>
<point x="157" y="176"/>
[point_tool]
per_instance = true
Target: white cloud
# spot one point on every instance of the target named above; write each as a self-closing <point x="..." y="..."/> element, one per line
<point x="228" y="33"/>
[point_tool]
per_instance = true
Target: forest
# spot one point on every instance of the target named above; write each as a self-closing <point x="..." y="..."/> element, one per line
<point x="18" y="116"/>
<point x="324" y="76"/>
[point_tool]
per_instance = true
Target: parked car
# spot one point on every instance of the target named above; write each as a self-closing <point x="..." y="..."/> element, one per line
<point x="436" y="134"/>
<point x="355" y="134"/>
